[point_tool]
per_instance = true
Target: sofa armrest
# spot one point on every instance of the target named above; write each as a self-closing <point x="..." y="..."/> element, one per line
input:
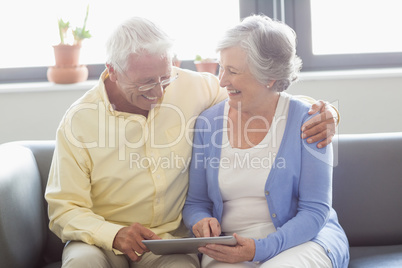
<point x="22" y="216"/>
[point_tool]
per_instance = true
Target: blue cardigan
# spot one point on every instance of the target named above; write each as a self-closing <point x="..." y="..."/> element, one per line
<point x="298" y="189"/>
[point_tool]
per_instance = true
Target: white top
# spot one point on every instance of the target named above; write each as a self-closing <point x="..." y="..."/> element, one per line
<point x="242" y="177"/>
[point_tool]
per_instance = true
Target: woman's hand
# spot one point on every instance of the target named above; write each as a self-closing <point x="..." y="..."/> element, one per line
<point x="243" y="251"/>
<point x="322" y="126"/>
<point x="207" y="227"/>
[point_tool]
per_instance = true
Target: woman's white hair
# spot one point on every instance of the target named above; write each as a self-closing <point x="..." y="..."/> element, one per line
<point x="136" y="36"/>
<point x="271" y="49"/>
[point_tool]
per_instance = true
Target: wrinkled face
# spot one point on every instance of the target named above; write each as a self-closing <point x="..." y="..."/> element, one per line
<point x="243" y="89"/>
<point x="142" y="71"/>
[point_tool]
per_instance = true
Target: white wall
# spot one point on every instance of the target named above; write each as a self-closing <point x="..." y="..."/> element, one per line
<point x="369" y="102"/>
<point x="33" y="111"/>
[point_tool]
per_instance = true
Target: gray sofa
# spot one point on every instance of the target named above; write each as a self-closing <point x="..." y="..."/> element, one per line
<point x="367" y="196"/>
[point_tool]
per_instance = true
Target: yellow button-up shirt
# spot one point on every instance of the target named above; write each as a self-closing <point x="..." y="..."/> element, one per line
<point x="111" y="169"/>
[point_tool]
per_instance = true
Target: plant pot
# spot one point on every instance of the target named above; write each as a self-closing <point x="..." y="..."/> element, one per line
<point x="210" y="67"/>
<point x="67" y="55"/>
<point x="176" y="63"/>
<point x="67" y="75"/>
<point x="67" y="69"/>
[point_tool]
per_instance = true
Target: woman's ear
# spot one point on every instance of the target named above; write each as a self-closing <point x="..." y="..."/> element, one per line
<point x="112" y="73"/>
<point x="271" y="83"/>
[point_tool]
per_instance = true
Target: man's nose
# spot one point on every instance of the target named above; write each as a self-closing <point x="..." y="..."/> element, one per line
<point x="158" y="90"/>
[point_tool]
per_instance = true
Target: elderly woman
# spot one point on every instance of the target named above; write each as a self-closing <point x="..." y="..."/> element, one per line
<point x="251" y="175"/>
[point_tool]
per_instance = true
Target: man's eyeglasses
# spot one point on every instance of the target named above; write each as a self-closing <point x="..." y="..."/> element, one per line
<point x="162" y="83"/>
<point x="152" y="85"/>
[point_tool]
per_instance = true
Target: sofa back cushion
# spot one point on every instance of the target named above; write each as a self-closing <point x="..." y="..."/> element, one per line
<point x="367" y="193"/>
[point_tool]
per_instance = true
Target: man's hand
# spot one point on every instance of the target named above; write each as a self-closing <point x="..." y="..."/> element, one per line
<point x="243" y="251"/>
<point x="207" y="227"/>
<point x="129" y="240"/>
<point x="322" y="126"/>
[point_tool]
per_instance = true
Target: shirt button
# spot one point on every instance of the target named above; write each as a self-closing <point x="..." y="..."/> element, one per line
<point x="273" y="215"/>
<point x="158" y="176"/>
<point x="266" y="192"/>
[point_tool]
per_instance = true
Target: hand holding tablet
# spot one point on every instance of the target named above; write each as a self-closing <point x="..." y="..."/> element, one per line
<point x="185" y="245"/>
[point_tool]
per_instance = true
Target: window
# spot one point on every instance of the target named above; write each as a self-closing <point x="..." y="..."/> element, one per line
<point x="337" y="30"/>
<point x="29" y="29"/>
<point x="339" y="34"/>
<point x="332" y="34"/>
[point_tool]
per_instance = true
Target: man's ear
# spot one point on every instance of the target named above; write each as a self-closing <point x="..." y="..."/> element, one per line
<point x="112" y="72"/>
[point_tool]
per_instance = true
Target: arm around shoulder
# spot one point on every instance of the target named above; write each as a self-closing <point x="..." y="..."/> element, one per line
<point x="321" y="127"/>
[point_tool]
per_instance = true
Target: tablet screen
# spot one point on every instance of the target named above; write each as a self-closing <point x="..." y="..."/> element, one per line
<point x="185" y="245"/>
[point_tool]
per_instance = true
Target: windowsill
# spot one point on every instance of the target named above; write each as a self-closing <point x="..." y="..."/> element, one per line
<point x="304" y="76"/>
<point x="45" y="87"/>
<point x="352" y="74"/>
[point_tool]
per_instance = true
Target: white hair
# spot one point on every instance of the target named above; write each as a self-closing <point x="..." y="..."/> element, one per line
<point x="136" y="36"/>
<point x="271" y="49"/>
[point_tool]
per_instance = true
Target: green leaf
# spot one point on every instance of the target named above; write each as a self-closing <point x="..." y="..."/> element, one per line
<point x="80" y="34"/>
<point x="63" y="28"/>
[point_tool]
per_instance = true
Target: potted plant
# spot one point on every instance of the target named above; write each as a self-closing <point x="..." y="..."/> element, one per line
<point x="205" y="65"/>
<point x="176" y="61"/>
<point x="67" y="69"/>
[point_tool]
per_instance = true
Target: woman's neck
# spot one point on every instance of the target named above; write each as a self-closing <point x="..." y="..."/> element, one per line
<point x="247" y="129"/>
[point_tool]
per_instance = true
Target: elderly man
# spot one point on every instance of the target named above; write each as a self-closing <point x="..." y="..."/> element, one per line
<point x="119" y="171"/>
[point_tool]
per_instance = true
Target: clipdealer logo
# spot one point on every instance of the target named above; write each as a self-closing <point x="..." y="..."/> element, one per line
<point x="240" y="161"/>
<point x="112" y="133"/>
<point x="112" y="130"/>
<point x="171" y="161"/>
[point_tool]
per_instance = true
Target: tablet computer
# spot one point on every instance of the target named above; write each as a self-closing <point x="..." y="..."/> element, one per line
<point x="185" y="245"/>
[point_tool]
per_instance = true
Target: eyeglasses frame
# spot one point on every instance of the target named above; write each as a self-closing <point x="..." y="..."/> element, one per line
<point x="149" y="86"/>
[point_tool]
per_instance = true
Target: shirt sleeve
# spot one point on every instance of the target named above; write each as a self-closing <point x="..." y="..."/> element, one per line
<point x="218" y="93"/>
<point x="69" y="198"/>
<point x="313" y="204"/>
<point x="311" y="100"/>
<point x="198" y="205"/>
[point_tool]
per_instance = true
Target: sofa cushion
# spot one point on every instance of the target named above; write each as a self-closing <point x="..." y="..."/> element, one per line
<point x="376" y="257"/>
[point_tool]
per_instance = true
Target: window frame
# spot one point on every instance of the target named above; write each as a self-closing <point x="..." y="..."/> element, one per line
<point x="296" y="13"/>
